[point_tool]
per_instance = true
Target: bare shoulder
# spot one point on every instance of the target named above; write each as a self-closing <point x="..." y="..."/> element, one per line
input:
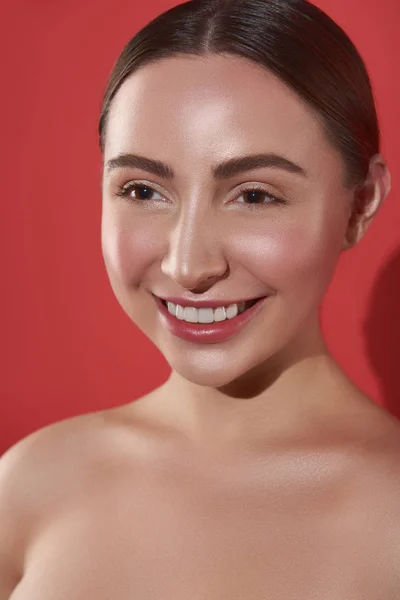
<point x="376" y="465"/>
<point x="34" y="474"/>
<point x="51" y="470"/>
<point x="57" y="461"/>
<point x="377" y="433"/>
<point x="382" y="431"/>
<point x="378" y="490"/>
<point x="33" y="468"/>
<point x="59" y="436"/>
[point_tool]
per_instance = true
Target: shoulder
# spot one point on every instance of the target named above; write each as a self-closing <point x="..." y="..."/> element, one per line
<point x="376" y="433"/>
<point x="60" y="461"/>
<point x="40" y="470"/>
<point x="375" y="466"/>
<point x="36" y="448"/>
<point x="38" y="459"/>
<point x="31" y="476"/>
<point x="377" y="482"/>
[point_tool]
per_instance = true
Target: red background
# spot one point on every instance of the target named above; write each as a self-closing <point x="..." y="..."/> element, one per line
<point x="67" y="347"/>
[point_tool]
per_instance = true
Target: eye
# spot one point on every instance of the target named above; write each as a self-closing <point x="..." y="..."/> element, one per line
<point x="256" y="195"/>
<point x="141" y="192"/>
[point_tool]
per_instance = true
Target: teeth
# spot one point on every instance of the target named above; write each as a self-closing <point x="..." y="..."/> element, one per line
<point x="232" y="311"/>
<point x="179" y="311"/>
<point x="205" y="315"/>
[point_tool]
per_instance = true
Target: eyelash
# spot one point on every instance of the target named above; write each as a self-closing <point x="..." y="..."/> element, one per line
<point x="124" y="191"/>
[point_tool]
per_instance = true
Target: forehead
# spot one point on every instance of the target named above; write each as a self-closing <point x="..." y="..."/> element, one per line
<point x="191" y="109"/>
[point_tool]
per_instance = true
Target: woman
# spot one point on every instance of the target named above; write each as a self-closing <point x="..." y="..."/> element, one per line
<point x="241" y="157"/>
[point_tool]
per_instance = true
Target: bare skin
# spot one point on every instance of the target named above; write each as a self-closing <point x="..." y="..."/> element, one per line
<point x="258" y="470"/>
<point x="124" y="506"/>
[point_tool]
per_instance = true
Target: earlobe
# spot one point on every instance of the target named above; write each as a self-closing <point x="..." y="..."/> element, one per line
<point x="367" y="200"/>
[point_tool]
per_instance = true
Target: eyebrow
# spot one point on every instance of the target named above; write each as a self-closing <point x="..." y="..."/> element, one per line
<point x="225" y="170"/>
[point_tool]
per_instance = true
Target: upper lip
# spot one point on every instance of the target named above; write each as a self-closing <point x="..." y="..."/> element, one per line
<point x="205" y="303"/>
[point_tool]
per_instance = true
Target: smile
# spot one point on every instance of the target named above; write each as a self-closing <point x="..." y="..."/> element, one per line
<point x="207" y="324"/>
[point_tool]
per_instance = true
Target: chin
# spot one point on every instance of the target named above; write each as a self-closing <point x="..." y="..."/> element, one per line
<point x="215" y="379"/>
<point x="208" y="369"/>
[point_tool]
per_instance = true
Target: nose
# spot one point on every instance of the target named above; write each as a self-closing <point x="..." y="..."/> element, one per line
<point x="194" y="258"/>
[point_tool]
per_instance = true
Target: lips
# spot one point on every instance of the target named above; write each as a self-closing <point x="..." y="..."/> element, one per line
<point x="207" y="332"/>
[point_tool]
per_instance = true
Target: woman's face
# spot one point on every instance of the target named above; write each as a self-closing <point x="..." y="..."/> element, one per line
<point x="188" y="233"/>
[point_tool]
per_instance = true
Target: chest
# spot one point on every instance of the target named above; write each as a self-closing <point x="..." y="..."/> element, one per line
<point x="179" y="543"/>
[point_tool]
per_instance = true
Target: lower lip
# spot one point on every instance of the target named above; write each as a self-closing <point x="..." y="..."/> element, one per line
<point x="207" y="333"/>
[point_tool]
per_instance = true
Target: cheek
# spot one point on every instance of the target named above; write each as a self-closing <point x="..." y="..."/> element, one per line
<point x="297" y="257"/>
<point x="129" y="247"/>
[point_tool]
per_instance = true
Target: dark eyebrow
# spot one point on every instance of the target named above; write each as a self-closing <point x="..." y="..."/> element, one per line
<point x="140" y="162"/>
<point x="226" y="169"/>
<point x="235" y="166"/>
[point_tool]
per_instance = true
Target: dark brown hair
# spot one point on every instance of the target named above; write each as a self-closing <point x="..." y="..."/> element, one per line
<point x="296" y="40"/>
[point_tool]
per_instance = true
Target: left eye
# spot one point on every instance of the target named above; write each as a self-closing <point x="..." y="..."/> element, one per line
<point x="258" y="196"/>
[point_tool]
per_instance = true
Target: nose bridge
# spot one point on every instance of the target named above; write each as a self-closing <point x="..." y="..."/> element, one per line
<point x="194" y="253"/>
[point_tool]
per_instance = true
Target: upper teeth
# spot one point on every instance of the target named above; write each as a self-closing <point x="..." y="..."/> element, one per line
<point x="205" y="315"/>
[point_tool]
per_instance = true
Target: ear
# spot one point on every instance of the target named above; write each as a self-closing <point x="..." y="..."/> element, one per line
<point x="367" y="199"/>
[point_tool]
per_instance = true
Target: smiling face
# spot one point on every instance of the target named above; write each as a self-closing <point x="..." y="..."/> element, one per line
<point x="200" y="233"/>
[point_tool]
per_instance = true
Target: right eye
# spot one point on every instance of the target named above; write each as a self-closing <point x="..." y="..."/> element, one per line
<point x="141" y="192"/>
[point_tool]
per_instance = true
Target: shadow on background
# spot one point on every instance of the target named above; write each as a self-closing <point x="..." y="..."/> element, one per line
<point x="382" y="332"/>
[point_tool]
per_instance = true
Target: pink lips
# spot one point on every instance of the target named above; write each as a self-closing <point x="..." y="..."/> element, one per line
<point x="206" y="332"/>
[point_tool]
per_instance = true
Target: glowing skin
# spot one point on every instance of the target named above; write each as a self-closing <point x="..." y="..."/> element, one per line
<point x="197" y="238"/>
<point x="258" y="470"/>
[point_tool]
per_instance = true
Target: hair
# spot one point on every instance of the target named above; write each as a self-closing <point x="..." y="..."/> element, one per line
<point x="294" y="39"/>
